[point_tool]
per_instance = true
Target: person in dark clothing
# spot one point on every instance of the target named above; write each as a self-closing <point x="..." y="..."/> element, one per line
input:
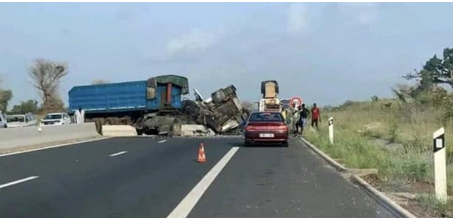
<point x="297" y="123"/>
<point x="303" y="117"/>
<point x="315" y="116"/>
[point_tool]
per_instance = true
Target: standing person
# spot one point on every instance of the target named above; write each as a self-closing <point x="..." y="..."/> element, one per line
<point x="80" y="116"/>
<point x="289" y="119"/>
<point x="297" y="119"/>
<point x="303" y="117"/>
<point x="315" y="116"/>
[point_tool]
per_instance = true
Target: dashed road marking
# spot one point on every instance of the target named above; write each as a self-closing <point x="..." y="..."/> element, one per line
<point x="162" y="141"/>
<point x="117" y="154"/>
<point x="18" y="181"/>
<point x="186" y="205"/>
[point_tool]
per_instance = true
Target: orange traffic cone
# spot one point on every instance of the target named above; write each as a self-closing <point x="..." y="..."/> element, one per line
<point x="201" y="154"/>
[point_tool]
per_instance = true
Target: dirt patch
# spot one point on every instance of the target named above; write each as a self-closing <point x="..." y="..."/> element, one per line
<point x="422" y="187"/>
<point x="373" y="180"/>
<point x="417" y="208"/>
<point x="408" y="195"/>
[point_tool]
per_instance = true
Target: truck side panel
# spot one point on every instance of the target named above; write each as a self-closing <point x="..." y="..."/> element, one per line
<point x="108" y="98"/>
<point x="160" y="99"/>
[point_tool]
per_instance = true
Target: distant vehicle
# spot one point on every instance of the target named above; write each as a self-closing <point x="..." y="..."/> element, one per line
<point x="55" y="119"/>
<point x="21" y="120"/>
<point x="3" y="120"/>
<point x="266" y="127"/>
<point x="270" y="101"/>
<point x="285" y="103"/>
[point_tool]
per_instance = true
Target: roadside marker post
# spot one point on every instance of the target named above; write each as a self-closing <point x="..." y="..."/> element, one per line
<point x="440" y="180"/>
<point x="331" y="130"/>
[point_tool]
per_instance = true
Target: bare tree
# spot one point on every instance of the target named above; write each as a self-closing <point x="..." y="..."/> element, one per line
<point x="100" y="81"/>
<point x="46" y="76"/>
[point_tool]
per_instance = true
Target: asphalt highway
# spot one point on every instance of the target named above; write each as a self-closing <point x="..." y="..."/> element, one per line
<point x="148" y="177"/>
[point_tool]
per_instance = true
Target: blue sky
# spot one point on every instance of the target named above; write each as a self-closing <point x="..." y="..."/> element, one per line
<point x="324" y="52"/>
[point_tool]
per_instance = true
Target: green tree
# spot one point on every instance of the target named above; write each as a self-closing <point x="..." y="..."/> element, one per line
<point x="5" y="97"/>
<point x="25" y="107"/>
<point x="436" y="70"/>
<point x="375" y="98"/>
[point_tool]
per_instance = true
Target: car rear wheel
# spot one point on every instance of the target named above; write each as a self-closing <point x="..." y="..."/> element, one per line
<point x="247" y="143"/>
<point x="285" y="144"/>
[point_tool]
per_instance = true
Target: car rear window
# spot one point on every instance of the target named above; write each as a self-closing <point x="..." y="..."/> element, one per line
<point x="267" y="117"/>
<point x="11" y="119"/>
<point x="53" y="117"/>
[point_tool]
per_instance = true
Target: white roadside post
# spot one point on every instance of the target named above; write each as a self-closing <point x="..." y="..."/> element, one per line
<point x="331" y="130"/>
<point x="440" y="181"/>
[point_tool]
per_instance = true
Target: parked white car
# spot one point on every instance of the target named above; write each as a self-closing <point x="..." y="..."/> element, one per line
<point x="21" y="120"/>
<point x="3" y="120"/>
<point x="55" y="119"/>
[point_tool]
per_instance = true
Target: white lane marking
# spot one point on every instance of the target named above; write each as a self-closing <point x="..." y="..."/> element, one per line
<point x="162" y="141"/>
<point x="117" y="154"/>
<point x="18" y="181"/>
<point x="54" y="146"/>
<point x="186" y="205"/>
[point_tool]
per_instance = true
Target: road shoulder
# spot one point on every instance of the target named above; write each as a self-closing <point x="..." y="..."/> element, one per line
<point x="378" y="196"/>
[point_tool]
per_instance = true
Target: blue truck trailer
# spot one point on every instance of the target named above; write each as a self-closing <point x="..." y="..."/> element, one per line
<point x="155" y="106"/>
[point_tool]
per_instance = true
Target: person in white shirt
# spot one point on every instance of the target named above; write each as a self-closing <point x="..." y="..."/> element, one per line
<point x="80" y="116"/>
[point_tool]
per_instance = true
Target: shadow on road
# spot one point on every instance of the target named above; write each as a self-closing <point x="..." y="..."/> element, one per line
<point x="240" y="143"/>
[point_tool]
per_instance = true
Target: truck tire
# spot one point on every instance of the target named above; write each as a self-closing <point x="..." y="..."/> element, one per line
<point x="190" y="109"/>
<point x="176" y="128"/>
<point x="126" y="120"/>
<point x="218" y="96"/>
<point x="99" y="126"/>
<point x="110" y="121"/>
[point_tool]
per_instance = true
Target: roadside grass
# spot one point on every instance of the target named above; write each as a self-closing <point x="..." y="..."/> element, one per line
<point x="399" y="144"/>
<point x="357" y="151"/>
<point x="429" y="202"/>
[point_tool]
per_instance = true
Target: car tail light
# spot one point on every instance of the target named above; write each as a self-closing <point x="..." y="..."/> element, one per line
<point x="282" y="127"/>
<point x="250" y="128"/>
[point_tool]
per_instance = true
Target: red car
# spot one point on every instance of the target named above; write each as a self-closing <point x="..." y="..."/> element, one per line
<point x="266" y="127"/>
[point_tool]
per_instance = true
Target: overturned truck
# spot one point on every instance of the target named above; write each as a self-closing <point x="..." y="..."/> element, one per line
<point x="155" y="106"/>
<point x="222" y="112"/>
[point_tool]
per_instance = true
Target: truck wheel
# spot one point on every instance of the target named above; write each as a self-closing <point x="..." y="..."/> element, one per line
<point x="110" y="121"/>
<point x="176" y="128"/>
<point x="102" y="121"/>
<point x="99" y="126"/>
<point x="190" y="109"/>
